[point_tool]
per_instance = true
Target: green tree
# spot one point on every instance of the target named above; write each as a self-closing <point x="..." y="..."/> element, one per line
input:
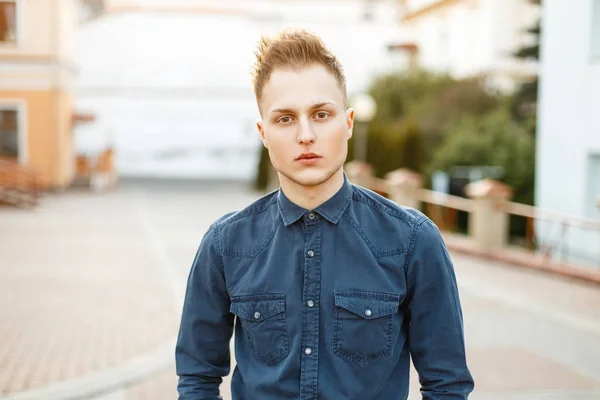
<point x="398" y="95"/>
<point x="434" y="101"/>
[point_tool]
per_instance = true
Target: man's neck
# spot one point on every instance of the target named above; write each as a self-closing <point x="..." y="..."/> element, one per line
<point x="311" y="197"/>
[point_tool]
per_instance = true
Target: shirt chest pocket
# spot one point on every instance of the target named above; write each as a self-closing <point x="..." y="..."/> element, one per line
<point x="264" y="322"/>
<point x="363" y="330"/>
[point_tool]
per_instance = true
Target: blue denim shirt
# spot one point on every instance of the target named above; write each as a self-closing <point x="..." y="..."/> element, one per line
<point x="326" y="304"/>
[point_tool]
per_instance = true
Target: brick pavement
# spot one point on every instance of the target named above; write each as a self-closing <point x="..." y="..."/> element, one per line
<point x="83" y="288"/>
<point x="78" y="291"/>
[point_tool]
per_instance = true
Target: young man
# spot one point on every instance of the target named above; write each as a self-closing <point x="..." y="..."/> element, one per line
<point x="329" y="287"/>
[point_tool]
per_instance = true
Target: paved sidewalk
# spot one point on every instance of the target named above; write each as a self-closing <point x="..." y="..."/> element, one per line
<point x="86" y="283"/>
<point x="79" y="291"/>
<point x="530" y="335"/>
<point x="91" y="282"/>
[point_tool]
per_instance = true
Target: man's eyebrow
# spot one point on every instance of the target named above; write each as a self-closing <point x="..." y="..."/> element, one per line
<point x="282" y="111"/>
<point x="319" y="105"/>
<point x="289" y="110"/>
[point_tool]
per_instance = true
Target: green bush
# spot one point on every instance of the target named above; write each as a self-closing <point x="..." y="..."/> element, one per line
<point x="494" y="140"/>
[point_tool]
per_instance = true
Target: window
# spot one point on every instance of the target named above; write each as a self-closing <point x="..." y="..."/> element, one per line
<point x="9" y="133"/>
<point x="8" y="21"/>
<point x="596" y="28"/>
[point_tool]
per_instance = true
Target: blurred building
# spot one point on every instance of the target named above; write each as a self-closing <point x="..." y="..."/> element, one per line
<point x="169" y="80"/>
<point x="568" y="137"/>
<point x="37" y="76"/>
<point x="468" y="38"/>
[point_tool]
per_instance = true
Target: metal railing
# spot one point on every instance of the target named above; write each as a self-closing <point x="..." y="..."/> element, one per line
<point x="542" y="241"/>
<point x="546" y="231"/>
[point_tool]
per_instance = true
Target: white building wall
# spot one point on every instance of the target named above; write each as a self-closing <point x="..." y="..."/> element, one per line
<point x="568" y="179"/>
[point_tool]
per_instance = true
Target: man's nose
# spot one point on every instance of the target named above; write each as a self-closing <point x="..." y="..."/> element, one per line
<point x="305" y="132"/>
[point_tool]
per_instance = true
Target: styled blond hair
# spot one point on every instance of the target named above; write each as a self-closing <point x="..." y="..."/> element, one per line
<point x="295" y="49"/>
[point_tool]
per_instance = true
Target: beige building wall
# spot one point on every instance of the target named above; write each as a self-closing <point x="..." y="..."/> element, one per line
<point x="37" y="77"/>
<point x="48" y="137"/>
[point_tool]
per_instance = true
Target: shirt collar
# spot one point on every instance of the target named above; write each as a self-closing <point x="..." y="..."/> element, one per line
<point x="331" y="210"/>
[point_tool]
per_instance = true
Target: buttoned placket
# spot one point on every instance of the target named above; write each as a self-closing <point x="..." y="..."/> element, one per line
<point x="310" y="311"/>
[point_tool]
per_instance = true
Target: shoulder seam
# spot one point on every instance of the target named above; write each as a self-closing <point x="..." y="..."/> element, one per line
<point x="248" y="212"/>
<point x="413" y="240"/>
<point x="381" y="207"/>
<point x="255" y="251"/>
<point x="215" y="233"/>
<point x="376" y="254"/>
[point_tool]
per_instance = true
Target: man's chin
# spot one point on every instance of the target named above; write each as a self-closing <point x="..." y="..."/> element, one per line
<point x="309" y="177"/>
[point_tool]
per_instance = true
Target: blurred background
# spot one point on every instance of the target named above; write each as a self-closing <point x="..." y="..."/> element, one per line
<point x="128" y="126"/>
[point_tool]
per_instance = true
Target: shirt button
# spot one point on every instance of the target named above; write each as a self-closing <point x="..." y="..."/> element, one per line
<point x="310" y="303"/>
<point x="310" y="253"/>
<point x="257" y="315"/>
<point x="308" y="351"/>
<point x="311" y="216"/>
<point x="368" y="312"/>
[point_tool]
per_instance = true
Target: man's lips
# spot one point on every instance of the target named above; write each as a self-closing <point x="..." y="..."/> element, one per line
<point x="308" y="156"/>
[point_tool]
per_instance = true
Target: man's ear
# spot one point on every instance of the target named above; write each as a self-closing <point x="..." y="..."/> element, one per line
<point x="350" y="121"/>
<point x="261" y="131"/>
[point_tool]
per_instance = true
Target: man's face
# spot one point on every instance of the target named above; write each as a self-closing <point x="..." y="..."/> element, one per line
<point x="305" y="125"/>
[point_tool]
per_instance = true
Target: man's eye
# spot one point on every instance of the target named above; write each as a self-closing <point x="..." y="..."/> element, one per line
<point x="284" y="120"/>
<point x="322" y="115"/>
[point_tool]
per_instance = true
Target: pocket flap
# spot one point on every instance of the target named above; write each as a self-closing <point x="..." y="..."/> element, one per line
<point x="258" y="307"/>
<point x="368" y="305"/>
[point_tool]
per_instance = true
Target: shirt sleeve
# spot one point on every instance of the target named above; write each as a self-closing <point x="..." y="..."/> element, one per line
<point x="202" y="355"/>
<point x="436" y="336"/>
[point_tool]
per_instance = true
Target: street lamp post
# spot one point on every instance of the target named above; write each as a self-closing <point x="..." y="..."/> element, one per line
<point x="364" y="110"/>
